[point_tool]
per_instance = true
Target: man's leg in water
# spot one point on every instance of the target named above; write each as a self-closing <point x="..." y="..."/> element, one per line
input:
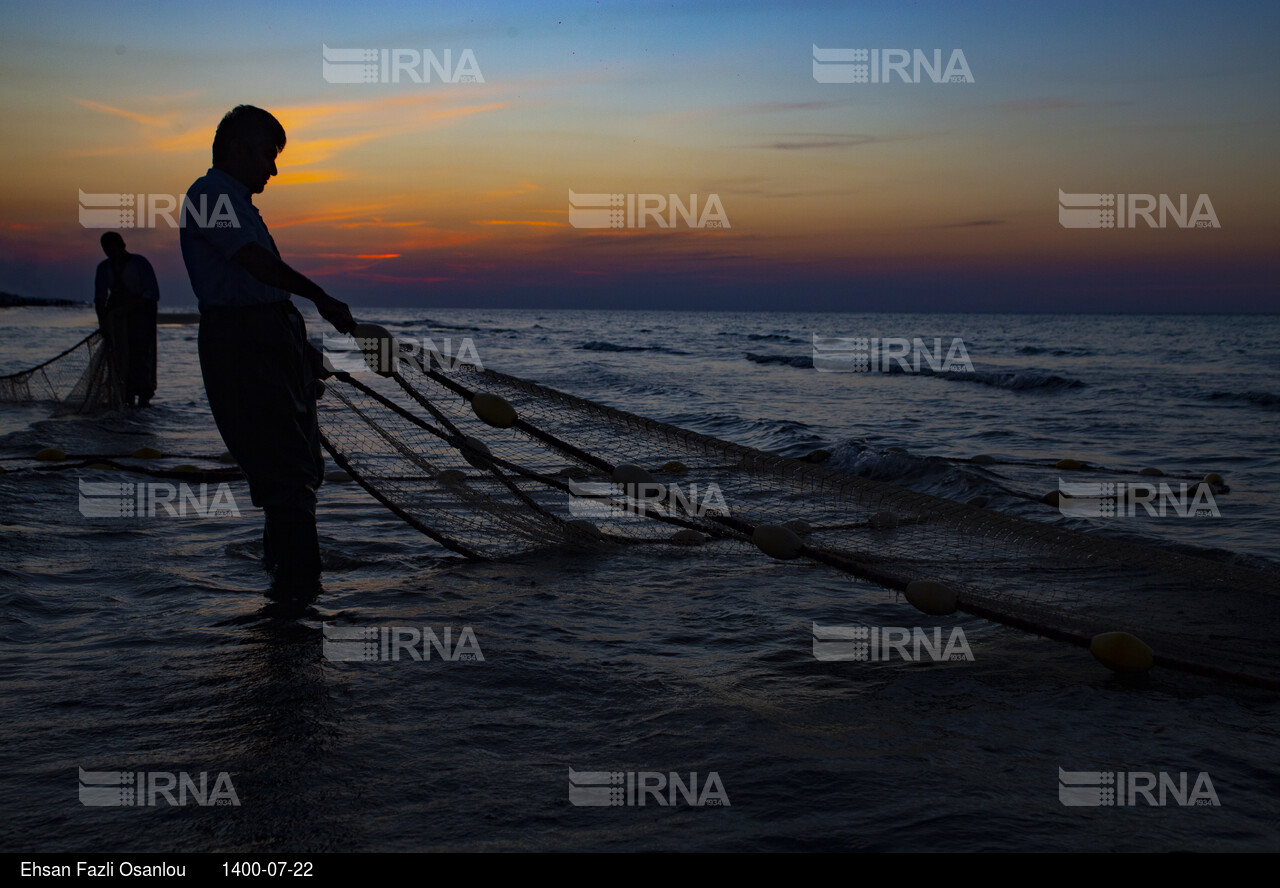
<point x="138" y="349"/>
<point x="142" y="351"/>
<point x="261" y="386"/>
<point x="116" y="333"/>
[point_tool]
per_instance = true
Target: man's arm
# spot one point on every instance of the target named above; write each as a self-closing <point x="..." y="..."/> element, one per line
<point x="100" y="286"/>
<point x="271" y="270"/>
<point x="149" y="288"/>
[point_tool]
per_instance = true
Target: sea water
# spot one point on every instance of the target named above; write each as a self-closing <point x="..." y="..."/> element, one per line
<point x="146" y="645"/>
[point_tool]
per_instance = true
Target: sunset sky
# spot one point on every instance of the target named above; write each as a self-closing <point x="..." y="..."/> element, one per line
<point x="839" y="196"/>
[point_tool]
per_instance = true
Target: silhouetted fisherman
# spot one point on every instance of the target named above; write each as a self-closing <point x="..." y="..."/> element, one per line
<point x="260" y="373"/>
<point x="125" y="295"/>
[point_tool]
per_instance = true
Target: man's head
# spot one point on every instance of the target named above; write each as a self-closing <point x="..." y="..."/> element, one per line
<point x="112" y="245"/>
<point x="246" y="144"/>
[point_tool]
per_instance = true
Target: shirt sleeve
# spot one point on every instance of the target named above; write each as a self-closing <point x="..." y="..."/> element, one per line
<point x="100" y="284"/>
<point x="147" y="280"/>
<point x="217" y="219"/>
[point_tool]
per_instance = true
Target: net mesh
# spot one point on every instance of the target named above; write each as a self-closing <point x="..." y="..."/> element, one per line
<point x="568" y="472"/>
<point x="414" y="441"/>
<point x="77" y="381"/>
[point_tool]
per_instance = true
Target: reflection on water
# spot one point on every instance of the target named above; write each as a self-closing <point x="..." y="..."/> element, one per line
<point x="154" y="644"/>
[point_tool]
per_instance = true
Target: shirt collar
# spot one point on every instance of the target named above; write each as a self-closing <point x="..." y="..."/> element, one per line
<point x="238" y="188"/>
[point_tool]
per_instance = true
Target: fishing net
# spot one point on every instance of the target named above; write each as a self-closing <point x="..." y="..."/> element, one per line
<point x="544" y="469"/>
<point x="77" y="381"/>
<point x="492" y="466"/>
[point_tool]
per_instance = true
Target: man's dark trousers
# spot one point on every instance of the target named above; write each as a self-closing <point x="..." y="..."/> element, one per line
<point x="260" y="377"/>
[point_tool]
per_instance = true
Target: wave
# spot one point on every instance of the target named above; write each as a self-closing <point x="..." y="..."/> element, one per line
<point x="431" y="322"/>
<point x="926" y="474"/>
<point x="603" y="346"/>
<point x="804" y="361"/>
<point x="1012" y="380"/>
<point x="1056" y="352"/>
<point x="763" y="337"/>
<point x="1258" y="399"/>
<point x="788" y="437"/>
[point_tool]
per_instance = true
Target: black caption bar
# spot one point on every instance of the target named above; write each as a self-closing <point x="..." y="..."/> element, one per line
<point x="176" y="866"/>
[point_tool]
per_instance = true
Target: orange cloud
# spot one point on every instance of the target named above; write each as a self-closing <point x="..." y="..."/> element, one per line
<point x="153" y="120"/>
<point x="376" y="118"/>
<point x="359" y="255"/>
<point x="308" y="177"/>
<point x="367" y="215"/>
<point x="513" y="222"/>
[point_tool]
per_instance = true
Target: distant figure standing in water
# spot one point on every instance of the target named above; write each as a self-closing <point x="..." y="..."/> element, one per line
<point x="125" y="295"/>
<point x="260" y="373"/>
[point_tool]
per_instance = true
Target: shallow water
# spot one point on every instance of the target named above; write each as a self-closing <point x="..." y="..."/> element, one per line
<point x="148" y="644"/>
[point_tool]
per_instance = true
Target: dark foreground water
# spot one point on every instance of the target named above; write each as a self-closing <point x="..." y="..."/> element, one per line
<point x="148" y="645"/>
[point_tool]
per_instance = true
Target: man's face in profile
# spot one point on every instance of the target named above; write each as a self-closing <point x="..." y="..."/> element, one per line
<point x="253" y="164"/>
<point x="261" y="166"/>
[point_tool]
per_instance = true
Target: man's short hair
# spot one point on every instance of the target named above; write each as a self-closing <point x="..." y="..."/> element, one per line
<point x="247" y="124"/>
<point x="110" y="239"/>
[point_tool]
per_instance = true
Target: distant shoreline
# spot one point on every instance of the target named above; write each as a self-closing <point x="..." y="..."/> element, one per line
<point x="13" y="300"/>
<point x="188" y="314"/>
<point x="164" y="318"/>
